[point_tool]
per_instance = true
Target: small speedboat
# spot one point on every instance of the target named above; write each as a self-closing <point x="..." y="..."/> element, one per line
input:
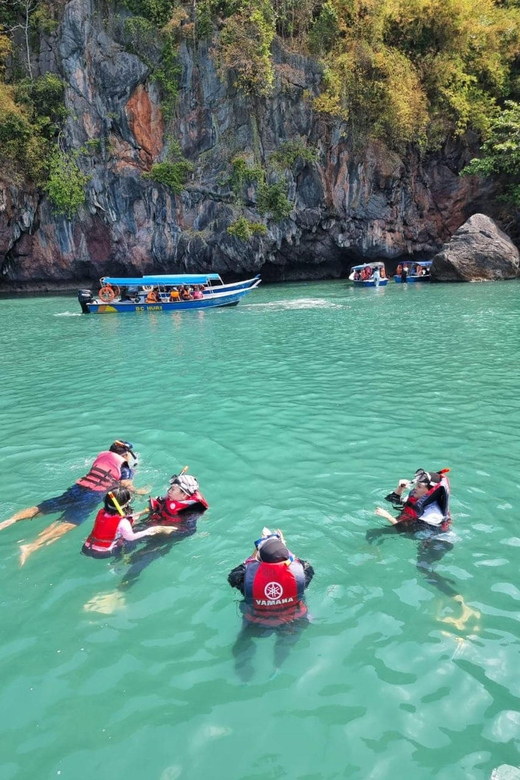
<point x="163" y="292"/>
<point x="369" y="275"/>
<point x="418" y="271"/>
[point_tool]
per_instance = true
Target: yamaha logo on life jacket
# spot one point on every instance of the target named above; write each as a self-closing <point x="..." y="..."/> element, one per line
<point x="273" y="592"/>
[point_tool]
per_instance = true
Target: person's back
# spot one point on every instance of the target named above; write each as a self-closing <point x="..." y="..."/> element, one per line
<point x="174" y="295"/>
<point x="272" y="582"/>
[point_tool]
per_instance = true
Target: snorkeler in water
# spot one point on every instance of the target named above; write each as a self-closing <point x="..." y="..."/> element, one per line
<point x="113" y="526"/>
<point x="178" y="512"/>
<point x="272" y="581"/>
<point x="112" y="467"/>
<point x="425" y="515"/>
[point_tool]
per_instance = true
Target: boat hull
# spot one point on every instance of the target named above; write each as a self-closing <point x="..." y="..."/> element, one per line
<point x="214" y="300"/>
<point x="411" y="279"/>
<point x="232" y="287"/>
<point x="370" y="283"/>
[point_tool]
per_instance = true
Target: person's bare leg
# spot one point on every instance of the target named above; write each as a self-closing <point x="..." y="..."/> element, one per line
<point x="48" y="536"/>
<point x="23" y="514"/>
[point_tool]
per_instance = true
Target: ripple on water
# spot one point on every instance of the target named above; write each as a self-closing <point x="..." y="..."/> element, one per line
<point x="299" y="410"/>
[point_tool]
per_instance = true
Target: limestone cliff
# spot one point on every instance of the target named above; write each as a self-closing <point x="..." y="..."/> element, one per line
<point x="347" y="204"/>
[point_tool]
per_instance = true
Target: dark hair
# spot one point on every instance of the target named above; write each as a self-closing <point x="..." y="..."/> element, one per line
<point x="121" y="495"/>
<point x="120" y="447"/>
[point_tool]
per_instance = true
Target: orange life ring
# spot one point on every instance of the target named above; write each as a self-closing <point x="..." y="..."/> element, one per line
<point x="107" y="293"/>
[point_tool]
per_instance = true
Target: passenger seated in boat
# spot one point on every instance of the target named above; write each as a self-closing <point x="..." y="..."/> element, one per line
<point x="357" y="276"/>
<point x="418" y="270"/>
<point x="185" y="293"/>
<point x="113" y="526"/>
<point x="197" y="293"/>
<point x="174" y="295"/>
<point x="153" y="296"/>
<point x="382" y="272"/>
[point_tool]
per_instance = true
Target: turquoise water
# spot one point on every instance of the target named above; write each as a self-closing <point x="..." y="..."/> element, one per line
<point x="298" y="409"/>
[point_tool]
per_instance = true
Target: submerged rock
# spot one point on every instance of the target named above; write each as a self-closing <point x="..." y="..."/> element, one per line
<point x="478" y="251"/>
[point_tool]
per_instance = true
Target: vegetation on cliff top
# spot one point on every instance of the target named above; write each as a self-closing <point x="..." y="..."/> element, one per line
<point x="403" y="71"/>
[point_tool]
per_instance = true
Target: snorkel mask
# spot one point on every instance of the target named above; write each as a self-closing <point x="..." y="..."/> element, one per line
<point x="130" y="450"/>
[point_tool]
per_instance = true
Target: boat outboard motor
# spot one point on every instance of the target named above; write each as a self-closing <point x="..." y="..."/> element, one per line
<point x="84" y="297"/>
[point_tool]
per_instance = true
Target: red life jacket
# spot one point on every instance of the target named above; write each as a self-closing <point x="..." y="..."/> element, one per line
<point x="170" y="512"/>
<point x="104" y="473"/>
<point x="104" y="532"/>
<point x="274" y="591"/>
<point x="439" y="494"/>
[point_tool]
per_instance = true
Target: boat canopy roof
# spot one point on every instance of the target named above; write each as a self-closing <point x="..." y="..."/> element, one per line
<point x="164" y="279"/>
<point x="369" y="265"/>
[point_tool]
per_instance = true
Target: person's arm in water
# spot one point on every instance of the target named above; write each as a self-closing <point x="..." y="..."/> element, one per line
<point x="125" y="530"/>
<point x="236" y="577"/>
<point x="126" y="481"/>
<point x="380" y="512"/>
<point x="308" y="571"/>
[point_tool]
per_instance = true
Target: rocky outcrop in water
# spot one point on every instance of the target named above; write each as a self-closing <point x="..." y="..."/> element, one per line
<point x="478" y="251"/>
<point x="347" y="204"/>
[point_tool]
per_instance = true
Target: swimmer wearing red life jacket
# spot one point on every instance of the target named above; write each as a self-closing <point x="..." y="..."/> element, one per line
<point x="424" y="515"/>
<point x="111" y="468"/>
<point x="272" y="581"/>
<point x="183" y="494"/>
<point x="427" y="501"/>
<point x="113" y="526"/>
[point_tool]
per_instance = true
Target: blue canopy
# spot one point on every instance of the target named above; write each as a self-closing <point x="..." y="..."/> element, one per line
<point x="369" y="265"/>
<point x="165" y="279"/>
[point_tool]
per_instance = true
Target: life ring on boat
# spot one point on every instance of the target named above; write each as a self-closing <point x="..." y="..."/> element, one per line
<point x="108" y="293"/>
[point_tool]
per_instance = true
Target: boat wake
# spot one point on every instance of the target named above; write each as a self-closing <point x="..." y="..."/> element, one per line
<point x="68" y="314"/>
<point x="298" y="303"/>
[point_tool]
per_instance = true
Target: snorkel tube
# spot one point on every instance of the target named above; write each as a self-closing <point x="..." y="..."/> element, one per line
<point x="129" y="448"/>
<point x="116" y="503"/>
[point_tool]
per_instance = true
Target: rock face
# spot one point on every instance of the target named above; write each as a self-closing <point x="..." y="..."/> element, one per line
<point x="347" y="205"/>
<point x="478" y="251"/>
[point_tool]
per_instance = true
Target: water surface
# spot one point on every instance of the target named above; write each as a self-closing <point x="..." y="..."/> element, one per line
<point x="298" y="409"/>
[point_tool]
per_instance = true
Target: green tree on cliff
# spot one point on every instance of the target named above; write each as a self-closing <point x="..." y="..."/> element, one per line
<point x="501" y="152"/>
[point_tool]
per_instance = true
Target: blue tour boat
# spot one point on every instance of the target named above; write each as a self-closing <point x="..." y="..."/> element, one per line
<point x="154" y="293"/>
<point x="369" y="275"/>
<point x="418" y="271"/>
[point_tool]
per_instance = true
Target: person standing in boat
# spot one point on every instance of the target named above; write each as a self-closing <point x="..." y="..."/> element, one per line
<point x="110" y="469"/>
<point x="272" y="581"/>
<point x="404" y="273"/>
